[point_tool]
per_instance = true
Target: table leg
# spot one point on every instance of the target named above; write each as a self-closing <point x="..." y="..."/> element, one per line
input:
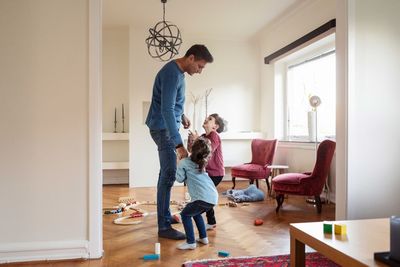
<point x="273" y="174"/>
<point x="297" y="253"/>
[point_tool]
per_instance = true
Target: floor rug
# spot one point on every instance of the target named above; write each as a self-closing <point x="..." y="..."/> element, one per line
<point x="313" y="259"/>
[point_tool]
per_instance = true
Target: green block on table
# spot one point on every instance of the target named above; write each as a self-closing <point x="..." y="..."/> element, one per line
<point x="328" y="228"/>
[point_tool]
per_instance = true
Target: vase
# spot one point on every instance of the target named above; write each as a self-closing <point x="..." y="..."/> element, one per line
<point x="312" y="127"/>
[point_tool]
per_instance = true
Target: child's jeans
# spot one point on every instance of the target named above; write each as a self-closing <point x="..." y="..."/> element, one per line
<point x="194" y="209"/>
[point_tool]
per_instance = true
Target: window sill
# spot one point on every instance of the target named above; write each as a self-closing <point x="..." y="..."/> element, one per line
<point x="300" y="144"/>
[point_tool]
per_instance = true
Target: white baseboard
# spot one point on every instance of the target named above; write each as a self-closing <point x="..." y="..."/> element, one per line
<point x="43" y="251"/>
<point x="115" y="176"/>
<point x="115" y="180"/>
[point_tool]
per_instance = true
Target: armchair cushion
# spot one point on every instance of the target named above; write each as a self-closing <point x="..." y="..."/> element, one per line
<point x="290" y="178"/>
<point x="289" y="183"/>
<point x="254" y="171"/>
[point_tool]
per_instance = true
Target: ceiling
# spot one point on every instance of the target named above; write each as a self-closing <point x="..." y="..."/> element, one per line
<point x="225" y="19"/>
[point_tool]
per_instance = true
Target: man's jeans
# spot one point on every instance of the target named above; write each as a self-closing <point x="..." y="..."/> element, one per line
<point x="166" y="176"/>
<point x="195" y="209"/>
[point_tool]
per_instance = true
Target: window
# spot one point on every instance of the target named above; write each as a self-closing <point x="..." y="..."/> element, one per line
<point x="313" y="76"/>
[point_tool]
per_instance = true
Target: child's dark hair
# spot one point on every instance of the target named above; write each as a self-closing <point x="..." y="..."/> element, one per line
<point x="201" y="152"/>
<point x="219" y="121"/>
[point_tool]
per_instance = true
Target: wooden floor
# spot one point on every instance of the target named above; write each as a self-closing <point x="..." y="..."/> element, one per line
<point x="125" y="245"/>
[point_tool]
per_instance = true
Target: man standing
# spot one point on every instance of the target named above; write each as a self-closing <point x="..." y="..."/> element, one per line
<point x="164" y="119"/>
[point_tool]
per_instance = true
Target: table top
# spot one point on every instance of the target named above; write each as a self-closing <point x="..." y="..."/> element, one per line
<point x="277" y="167"/>
<point x="357" y="247"/>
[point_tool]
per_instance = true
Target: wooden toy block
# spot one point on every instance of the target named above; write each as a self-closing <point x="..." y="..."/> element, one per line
<point x="327" y="228"/>
<point x="223" y="253"/>
<point x="151" y="257"/>
<point x="340" y="229"/>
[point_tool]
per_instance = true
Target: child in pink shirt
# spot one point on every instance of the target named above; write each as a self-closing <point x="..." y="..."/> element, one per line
<point x="213" y="125"/>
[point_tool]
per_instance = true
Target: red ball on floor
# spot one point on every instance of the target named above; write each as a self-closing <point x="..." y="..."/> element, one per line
<point x="258" y="222"/>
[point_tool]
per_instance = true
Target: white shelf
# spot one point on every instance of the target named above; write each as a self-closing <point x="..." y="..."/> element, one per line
<point x="115" y="165"/>
<point x="231" y="163"/>
<point x="115" y="136"/>
<point x="241" y="135"/>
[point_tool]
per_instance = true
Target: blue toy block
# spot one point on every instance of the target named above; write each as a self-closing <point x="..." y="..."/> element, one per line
<point x="223" y="253"/>
<point x="151" y="257"/>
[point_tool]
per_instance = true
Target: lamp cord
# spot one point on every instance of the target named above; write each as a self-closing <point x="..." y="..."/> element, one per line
<point x="164" y="12"/>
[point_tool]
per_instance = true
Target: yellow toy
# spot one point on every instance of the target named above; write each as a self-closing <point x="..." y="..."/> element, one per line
<point x="340" y="229"/>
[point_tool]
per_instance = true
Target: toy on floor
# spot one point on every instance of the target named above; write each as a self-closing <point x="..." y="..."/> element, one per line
<point x="222" y="253"/>
<point x="157" y="248"/>
<point x="232" y="204"/>
<point x="113" y="211"/>
<point x="151" y="257"/>
<point x="118" y="209"/>
<point x="136" y="217"/>
<point x="258" y="222"/>
<point x="127" y="200"/>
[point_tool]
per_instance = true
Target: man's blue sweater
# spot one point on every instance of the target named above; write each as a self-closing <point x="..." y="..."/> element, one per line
<point x="168" y="100"/>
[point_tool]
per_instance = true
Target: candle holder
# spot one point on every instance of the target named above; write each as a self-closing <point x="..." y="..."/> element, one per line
<point x="115" y="120"/>
<point x="123" y="119"/>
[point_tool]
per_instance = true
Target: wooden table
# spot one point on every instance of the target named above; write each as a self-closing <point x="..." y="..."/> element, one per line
<point x="364" y="237"/>
<point x="275" y="171"/>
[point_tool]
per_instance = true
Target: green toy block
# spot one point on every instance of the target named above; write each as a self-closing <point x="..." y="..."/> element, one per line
<point x="327" y="228"/>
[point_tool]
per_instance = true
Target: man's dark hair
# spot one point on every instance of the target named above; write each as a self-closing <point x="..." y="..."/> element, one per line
<point x="200" y="52"/>
<point x="219" y="121"/>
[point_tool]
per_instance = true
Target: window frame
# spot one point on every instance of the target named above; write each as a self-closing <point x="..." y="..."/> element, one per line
<point x="302" y="55"/>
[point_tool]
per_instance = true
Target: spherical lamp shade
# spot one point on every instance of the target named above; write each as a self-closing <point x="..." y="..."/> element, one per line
<point x="164" y="41"/>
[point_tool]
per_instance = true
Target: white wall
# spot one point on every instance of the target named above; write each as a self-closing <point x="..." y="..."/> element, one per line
<point x="115" y="62"/>
<point x="233" y="76"/>
<point x="44" y="129"/>
<point x="115" y="77"/>
<point x="373" y="124"/>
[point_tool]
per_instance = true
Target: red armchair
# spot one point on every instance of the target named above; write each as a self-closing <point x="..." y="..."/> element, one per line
<point x="306" y="184"/>
<point x="262" y="152"/>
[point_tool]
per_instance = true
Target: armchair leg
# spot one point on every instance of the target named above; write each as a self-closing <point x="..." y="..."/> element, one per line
<point x="257" y="183"/>
<point x="251" y="181"/>
<point x="269" y="187"/>
<point x="279" y="200"/>
<point x="234" y="182"/>
<point x="318" y="203"/>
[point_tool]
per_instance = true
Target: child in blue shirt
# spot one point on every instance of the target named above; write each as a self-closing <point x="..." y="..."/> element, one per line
<point x="204" y="195"/>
